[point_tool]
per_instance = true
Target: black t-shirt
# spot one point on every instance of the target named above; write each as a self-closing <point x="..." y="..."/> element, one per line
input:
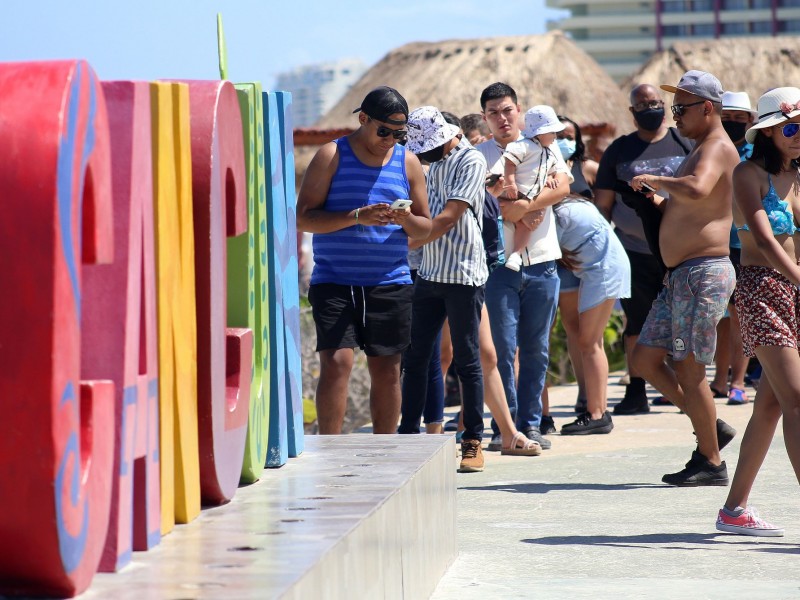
<point x="635" y="217"/>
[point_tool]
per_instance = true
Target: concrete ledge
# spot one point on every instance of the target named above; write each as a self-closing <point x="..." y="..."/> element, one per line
<point x="353" y="517"/>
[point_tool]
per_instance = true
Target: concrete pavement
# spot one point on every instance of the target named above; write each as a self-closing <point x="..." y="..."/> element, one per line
<point x="590" y="518"/>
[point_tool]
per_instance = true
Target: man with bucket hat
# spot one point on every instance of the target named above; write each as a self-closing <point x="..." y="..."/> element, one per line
<point x="361" y="287"/>
<point x="450" y="281"/>
<point x="693" y="239"/>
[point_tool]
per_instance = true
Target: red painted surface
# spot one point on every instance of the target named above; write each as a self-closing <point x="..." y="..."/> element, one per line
<point x="56" y="457"/>
<point x="113" y="334"/>
<point x="220" y="211"/>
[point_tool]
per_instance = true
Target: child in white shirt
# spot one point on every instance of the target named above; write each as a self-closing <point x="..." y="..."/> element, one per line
<point x="530" y="166"/>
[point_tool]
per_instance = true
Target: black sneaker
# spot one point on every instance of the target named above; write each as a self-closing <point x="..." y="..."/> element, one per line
<point x="725" y="433"/>
<point x="585" y="425"/>
<point x="698" y="471"/>
<point x="534" y="434"/>
<point x="496" y="444"/>
<point x="632" y="406"/>
<point x="547" y="425"/>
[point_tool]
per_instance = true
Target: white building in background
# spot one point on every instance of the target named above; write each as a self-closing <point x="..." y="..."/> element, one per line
<point x="316" y="88"/>
<point x="623" y="34"/>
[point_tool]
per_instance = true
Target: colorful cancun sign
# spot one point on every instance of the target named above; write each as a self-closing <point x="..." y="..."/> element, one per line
<point x="149" y="322"/>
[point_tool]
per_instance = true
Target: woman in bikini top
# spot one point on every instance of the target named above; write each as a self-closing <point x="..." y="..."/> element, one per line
<point x="779" y="213"/>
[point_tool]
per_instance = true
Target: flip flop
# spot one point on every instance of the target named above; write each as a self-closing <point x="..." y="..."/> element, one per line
<point x="528" y="448"/>
<point x="737" y="397"/>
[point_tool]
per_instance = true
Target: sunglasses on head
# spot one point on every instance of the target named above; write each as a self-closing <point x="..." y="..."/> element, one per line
<point x="790" y="129"/>
<point x="398" y="134"/>
<point x="679" y="109"/>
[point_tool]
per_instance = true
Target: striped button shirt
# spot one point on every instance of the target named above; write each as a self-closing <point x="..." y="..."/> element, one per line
<point x="458" y="256"/>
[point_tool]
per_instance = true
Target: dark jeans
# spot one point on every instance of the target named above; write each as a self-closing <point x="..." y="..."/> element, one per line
<point x="461" y="305"/>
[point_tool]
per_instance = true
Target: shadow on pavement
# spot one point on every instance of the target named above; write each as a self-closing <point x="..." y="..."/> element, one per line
<point x="668" y="540"/>
<point x="544" y="488"/>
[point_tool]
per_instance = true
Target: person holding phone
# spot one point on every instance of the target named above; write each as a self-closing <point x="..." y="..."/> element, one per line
<point x="361" y="285"/>
<point x="693" y="240"/>
<point x="653" y="148"/>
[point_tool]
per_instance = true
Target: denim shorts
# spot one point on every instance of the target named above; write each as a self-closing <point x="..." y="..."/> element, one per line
<point x="684" y="316"/>
<point x="604" y="271"/>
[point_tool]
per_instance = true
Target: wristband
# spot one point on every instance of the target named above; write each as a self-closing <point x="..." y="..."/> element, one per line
<point x="357" y="215"/>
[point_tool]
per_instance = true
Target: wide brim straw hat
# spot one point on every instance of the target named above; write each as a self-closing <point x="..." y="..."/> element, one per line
<point x="775" y="107"/>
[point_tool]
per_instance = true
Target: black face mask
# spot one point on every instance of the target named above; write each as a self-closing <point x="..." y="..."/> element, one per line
<point x="431" y="156"/>
<point x="649" y="119"/>
<point x="734" y="129"/>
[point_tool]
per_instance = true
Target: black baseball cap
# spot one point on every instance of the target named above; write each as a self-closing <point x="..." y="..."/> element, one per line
<point x="382" y="102"/>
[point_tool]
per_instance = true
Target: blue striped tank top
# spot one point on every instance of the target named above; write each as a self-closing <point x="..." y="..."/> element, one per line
<point x="363" y="255"/>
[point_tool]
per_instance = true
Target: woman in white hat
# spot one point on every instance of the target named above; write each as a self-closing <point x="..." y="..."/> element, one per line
<point x="767" y="203"/>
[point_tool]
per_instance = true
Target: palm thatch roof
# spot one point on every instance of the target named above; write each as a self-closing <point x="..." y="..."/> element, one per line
<point x="750" y="64"/>
<point x="543" y="69"/>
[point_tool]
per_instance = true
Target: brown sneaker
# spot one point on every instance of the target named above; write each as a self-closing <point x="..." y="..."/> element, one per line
<point x="471" y="457"/>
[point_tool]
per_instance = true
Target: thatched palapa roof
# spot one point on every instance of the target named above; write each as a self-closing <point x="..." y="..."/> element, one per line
<point x="543" y="69"/>
<point x="750" y="64"/>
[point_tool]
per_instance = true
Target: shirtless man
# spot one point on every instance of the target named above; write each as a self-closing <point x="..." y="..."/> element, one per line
<point x="693" y="240"/>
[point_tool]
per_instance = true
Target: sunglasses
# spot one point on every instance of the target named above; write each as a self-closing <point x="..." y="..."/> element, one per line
<point x="679" y="109"/>
<point x="790" y="129"/>
<point x="398" y="134"/>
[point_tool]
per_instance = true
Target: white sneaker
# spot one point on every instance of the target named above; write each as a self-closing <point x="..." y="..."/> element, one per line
<point x="514" y="261"/>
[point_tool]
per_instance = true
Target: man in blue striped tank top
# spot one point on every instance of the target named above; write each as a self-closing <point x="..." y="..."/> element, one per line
<point x="361" y="284"/>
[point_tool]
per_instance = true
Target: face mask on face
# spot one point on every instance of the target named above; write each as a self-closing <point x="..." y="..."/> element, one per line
<point x="431" y="156"/>
<point x="734" y="129"/>
<point x="567" y="148"/>
<point x="649" y="119"/>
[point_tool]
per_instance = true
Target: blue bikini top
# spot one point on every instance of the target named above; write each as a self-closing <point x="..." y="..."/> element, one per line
<point x="778" y="211"/>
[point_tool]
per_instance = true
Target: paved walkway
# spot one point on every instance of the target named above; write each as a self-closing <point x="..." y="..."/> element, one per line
<point x="590" y="518"/>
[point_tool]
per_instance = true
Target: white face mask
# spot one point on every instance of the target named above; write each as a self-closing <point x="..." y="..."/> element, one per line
<point x="567" y="147"/>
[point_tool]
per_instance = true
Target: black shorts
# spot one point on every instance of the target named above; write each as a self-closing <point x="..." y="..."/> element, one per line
<point x="647" y="279"/>
<point x="376" y="319"/>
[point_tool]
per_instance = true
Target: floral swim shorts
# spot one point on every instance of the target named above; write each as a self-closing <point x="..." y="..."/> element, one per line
<point x="684" y="316"/>
<point x="768" y="309"/>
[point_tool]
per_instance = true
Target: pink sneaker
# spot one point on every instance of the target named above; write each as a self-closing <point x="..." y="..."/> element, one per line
<point x="748" y="523"/>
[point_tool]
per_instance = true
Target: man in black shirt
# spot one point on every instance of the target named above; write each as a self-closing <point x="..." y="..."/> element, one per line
<point x="652" y="148"/>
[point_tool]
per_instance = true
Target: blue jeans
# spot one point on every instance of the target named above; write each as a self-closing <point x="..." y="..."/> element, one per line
<point x="461" y="305"/>
<point x="522" y="305"/>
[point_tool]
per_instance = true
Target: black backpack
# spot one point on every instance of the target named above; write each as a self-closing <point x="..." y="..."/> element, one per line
<point x="492" y="232"/>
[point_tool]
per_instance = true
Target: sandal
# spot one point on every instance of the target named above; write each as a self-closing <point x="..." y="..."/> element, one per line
<point x="717" y="393"/>
<point x="528" y="448"/>
<point x="737" y="397"/>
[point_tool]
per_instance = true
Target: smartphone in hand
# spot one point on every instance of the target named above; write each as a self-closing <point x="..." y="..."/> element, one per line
<point x="648" y="188"/>
<point x="492" y="178"/>
<point x="400" y="204"/>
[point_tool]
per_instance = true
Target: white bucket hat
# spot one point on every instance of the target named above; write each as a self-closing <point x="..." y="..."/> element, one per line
<point x="427" y="130"/>
<point x="737" y="101"/>
<point x="541" y="119"/>
<point x="775" y="107"/>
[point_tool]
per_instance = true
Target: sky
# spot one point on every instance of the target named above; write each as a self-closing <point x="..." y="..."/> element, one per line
<point x="177" y="39"/>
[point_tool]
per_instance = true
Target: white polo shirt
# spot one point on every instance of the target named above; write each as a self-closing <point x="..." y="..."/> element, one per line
<point x="542" y="244"/>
